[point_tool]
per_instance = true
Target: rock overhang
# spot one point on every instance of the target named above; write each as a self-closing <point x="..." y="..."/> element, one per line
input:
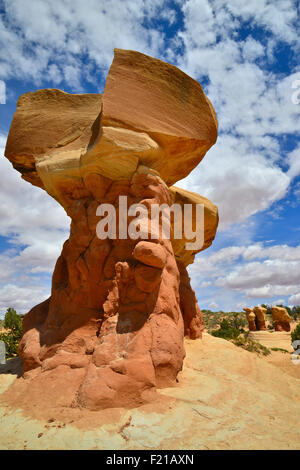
<point x="150" y="114"/>
<point x="150" y="110"/>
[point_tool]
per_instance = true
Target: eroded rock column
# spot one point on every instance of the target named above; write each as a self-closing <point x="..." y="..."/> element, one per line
<point x="260" y="318"/>
<point x="115" y="307"/>
<point x="281" y="319"/>
<point x="193" y="320"/>
<point x="250" y="318"/>
<point x="114" y="325"/>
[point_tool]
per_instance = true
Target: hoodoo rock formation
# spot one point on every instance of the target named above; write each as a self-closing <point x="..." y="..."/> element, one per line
<point x="256" y="318"/>
<point x="260" y="318"/>
<point x="114" y="325"/>
<point x="250" y="318"/>
<point x="281" y="319"/>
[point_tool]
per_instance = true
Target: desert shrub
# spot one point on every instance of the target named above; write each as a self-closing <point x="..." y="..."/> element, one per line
<point x="296" y="333"/>
<point x="227" y="330"/>
<point x="279" y="349"/>
<point x="268" y="307"/>
<point x="231" y="327"/>
<point x="295" y="313"/>
<point x="252" y="346"/>
<point x="213" y="320"/>
<point x="237" y="321"/>
<point x="13" y="323"/>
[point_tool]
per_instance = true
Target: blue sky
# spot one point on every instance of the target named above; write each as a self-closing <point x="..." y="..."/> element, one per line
<point x="245" y="53"/>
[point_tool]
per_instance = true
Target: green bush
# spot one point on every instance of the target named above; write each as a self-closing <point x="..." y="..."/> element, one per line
<point x="251" y="346"/>
<point x="231" y="328"/>
<point x="279" y="349"/>
<point x="296" y="333"/>
<point x="13" y="323"/>
<point x="227" y="330"/>
<point x="295" y="313"/>
<point x="213" y="320"/>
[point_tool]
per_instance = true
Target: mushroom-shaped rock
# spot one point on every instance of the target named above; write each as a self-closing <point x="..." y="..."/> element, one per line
<point x="260" y="320"/>
<point x="121" y="300"/>
<point x="250" y="318"/>
<point x="281" y="319"/>
<point x="152" y="114"/>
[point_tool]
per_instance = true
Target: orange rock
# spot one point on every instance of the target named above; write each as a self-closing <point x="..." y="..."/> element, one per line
<point x="150" y="253"/>
<point x="251" y="319"/>
<point x="192" y="317"/>
<point x="260" y="318"/>
<point x="119" y="308"/>
<point x="148" y="95"/>
<point x="281" y="319"/>
<point x="211" y="220"/>
<point x="47" y="122"/>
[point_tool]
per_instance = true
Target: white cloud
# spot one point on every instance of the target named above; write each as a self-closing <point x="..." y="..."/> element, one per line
<point x="205" y="284"/>
<point x="74" y="35"/>
<point x="252" y="49"/>
<point x="253" y="272"/>
<point x="213" y="306"/>
<point x="241" y="173"/>
<point x="278" y="17"/>
<point x="238" y="179"/>
<point x="2" y="92"/>
<point x="257" y="274"/>
<point x="21" y="298"/>
<point x="30" y="217"/>
<point x="283" y="252"/>
<point x="253" y="105"/>
<point x="35" y="227"/>
<point x="269" y="291"/>
<point x="295" y="299"/>
<point x="278" y="302"/>
<point x="294" y="162"/>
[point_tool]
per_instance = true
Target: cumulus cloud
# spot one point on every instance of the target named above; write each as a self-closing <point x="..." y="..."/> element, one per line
<point x="2" y="92"/>
<point x="35" y="34"/>
<point x="242" y="173"/>
<point x="21" y="298"/>
<point x="256" y="271"/>
<point x="294" y="162"/>
<point x="34" y="227"/>
<point x="279" y="18"/>
<point x="29" y="216"/>
<point x="278" y="302"/>
<point x="238" y="179"/>
<point x="282" y="252"/>
<point x="213" y="306"/>
<point x="294" y="299"/>
<point x="71" y="43"/>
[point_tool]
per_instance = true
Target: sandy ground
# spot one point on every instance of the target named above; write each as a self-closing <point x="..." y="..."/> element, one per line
<point x="226" y="398"/>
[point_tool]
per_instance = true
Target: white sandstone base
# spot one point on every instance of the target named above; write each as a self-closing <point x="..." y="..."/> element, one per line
<point x="272" y="339"/>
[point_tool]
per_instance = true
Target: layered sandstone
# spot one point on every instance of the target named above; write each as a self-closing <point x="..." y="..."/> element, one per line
<point x="113" y="327"/>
